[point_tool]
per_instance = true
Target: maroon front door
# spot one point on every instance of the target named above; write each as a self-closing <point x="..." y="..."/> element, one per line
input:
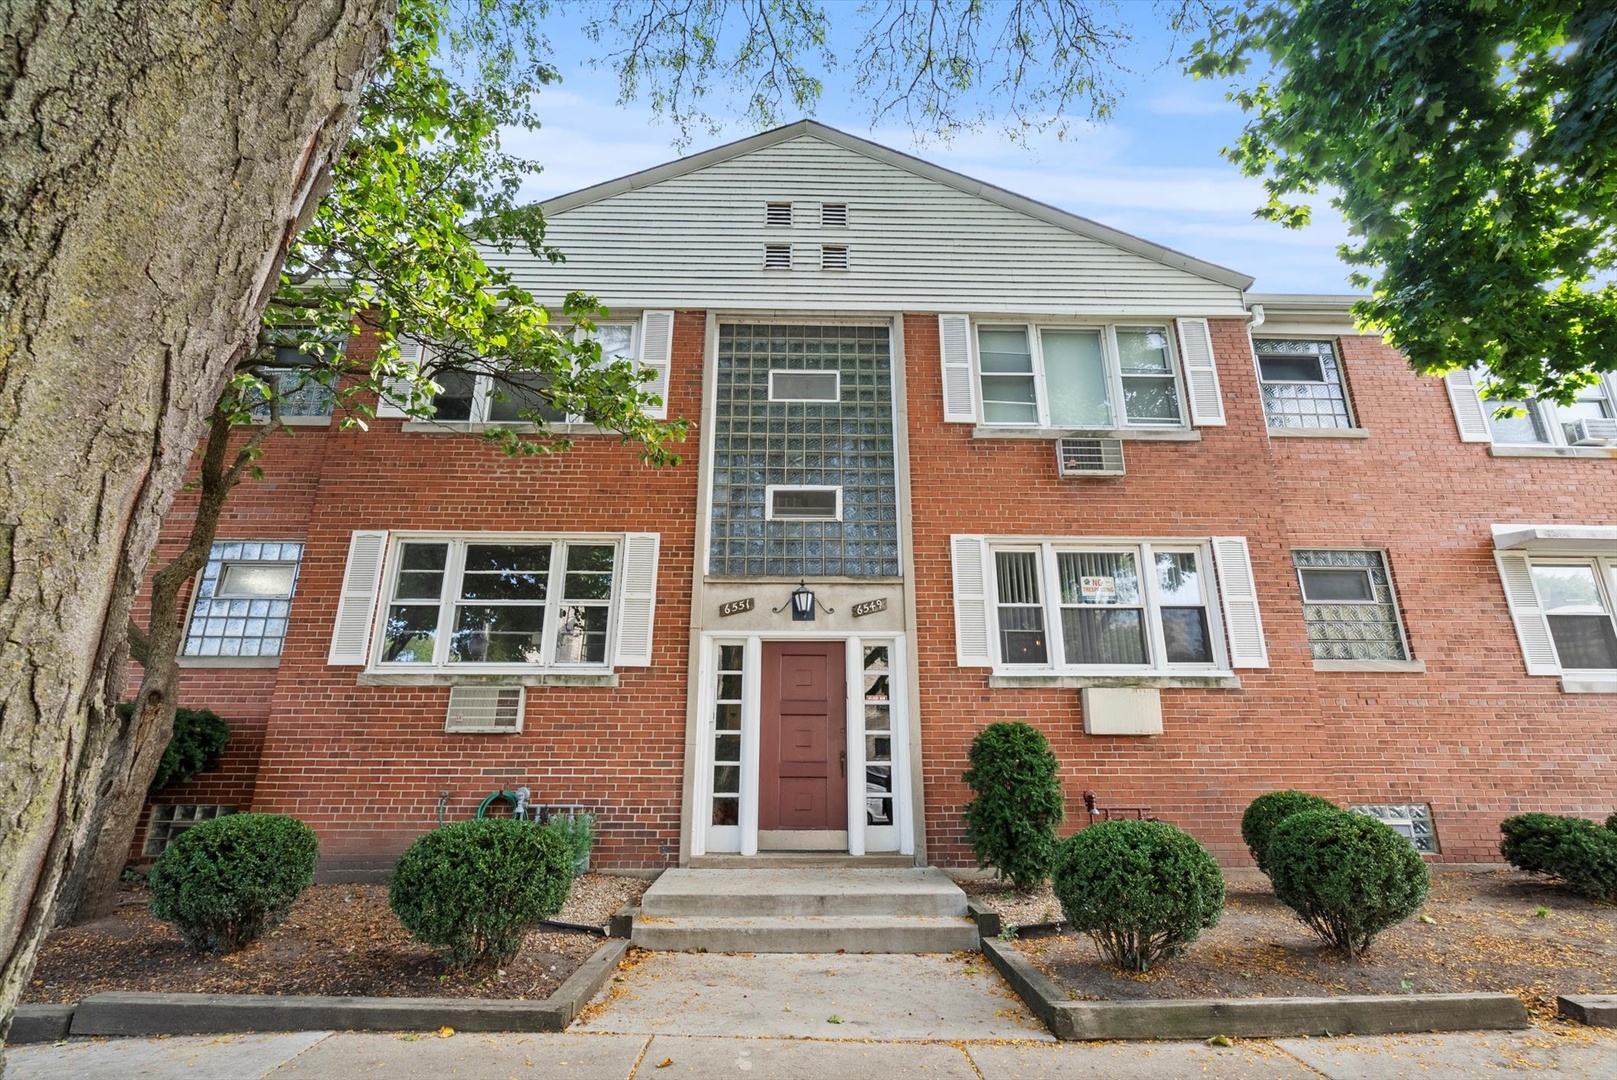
<point x="803" y="781"/>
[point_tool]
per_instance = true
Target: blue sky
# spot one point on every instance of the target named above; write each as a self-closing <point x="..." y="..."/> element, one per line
<point x="1153" y="169"/>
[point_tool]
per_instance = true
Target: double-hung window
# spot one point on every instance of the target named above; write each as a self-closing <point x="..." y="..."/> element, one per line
<point x="481" y="604"/>
<point x="1589" y="420"/>
<point x="1576" y="597"/>
<point x="1082" y="378"/>
<point x="517" y="397"/>
<point x="1096" y="608"/>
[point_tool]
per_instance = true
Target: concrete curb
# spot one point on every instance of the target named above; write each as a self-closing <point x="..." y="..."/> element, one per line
<point x="1596" y="1010"/>
<point x="40" y="1024"/>
<point x="213" y="1014"/>
<point x="1203" y="1018"/>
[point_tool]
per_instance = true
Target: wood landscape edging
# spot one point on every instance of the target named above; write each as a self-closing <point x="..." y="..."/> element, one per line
<point x="213" y="1014"/>
<point x="1279" y="1017"/>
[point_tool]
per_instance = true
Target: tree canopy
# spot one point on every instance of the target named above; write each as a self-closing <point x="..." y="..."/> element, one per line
<point x="1472" y="147"/>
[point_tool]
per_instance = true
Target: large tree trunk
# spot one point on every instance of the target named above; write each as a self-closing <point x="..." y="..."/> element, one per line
<point x="155" y="159"/>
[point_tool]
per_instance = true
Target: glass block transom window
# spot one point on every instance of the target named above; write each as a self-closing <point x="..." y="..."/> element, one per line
<point x="846" y="444"/>
<point x="170" y="821"/>
<point x="1302" y="385"/>
<point x="1349" y="606"/>
<point x="1410" y="820"/>
<point x="243" y="598"/>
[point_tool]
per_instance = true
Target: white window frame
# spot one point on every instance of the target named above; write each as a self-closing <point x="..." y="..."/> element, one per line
<point x="1144" y="552"/>
<point x="454" y="565"/>
<point x="483" y="389"/>
<point x="769" y="501"/>
<point x="1114" y="374"/>
<point x="1544" y="412"/>
<point x="836" y="377"/>
<point x="1605" y="574"/>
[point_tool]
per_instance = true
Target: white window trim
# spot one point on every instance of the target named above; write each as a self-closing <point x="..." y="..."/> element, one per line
<point x="836" y="376"/>
<point x="769" y="501"/>
<point x="1348" y="430"/>
<point x="453" y="566"/>
<point x="1544" y="412"/>
<point x="1050" y="600"/>
<point x="1114" y="376"/>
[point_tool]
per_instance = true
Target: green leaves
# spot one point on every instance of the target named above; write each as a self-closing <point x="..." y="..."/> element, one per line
<point x="1471" y="148"/>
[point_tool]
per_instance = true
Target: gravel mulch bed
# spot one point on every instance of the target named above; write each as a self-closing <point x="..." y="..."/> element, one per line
<point x="1500" y="931"/>
<point x="1037" y="905"/>
<point x="337" y="939"/>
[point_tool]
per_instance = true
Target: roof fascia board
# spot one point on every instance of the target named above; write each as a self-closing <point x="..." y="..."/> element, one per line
<point x="1010" y="200"/>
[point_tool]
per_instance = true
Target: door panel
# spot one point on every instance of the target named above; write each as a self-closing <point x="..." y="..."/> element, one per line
<point x="803" y="781"/>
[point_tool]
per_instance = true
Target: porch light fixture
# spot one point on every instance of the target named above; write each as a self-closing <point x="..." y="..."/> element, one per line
<point x="802" y="604"/>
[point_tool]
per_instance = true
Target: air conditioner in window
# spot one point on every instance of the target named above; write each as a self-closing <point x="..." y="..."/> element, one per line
<point x="1594" y="432"/>
<point x="485" y="708"/>
<point x="1089" y="457"/>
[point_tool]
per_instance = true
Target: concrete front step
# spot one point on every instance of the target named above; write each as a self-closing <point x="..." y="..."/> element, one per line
<point x="911" y="891"/>
<point x="808" y="934"/>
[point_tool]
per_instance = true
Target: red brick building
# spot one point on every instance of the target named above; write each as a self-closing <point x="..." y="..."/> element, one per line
<point x="1210" y="542"/>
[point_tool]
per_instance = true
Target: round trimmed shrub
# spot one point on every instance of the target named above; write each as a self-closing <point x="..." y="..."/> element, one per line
<point x="1574" y="849"/>
<point x="1267" y="811"/>
<point x="478" y="887"/>
<point x="1347" y="876"/>
<point x="1140" y="889"/>
<point x="1011" y="823"/>
<point x="1611" y="821"/>
<point x="223" y="883"/>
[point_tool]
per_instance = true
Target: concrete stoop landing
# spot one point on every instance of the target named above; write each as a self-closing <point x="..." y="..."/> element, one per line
<point x="802" y="910"/>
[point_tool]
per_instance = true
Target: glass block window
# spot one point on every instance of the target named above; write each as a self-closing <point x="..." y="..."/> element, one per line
<point x="301" y="395"/>
<point x="1349" y="605"/>
<point x="1410" y="820"/>
<point x="761" y="444"/>
<point x="243" y="598"/>
<point x="170" y="821"/>
<point x="1302" y="385"/>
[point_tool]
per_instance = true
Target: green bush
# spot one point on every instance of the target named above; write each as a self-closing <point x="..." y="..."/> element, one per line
<point x="479" y="886"/>
<point x="223" y="883"/>
<point x="1011" y="823"/>
<point x="1267" y="811"/>
<point x="198" y="742"/>
<point x="1140" y="889"/>
<point x="577" y="831"/>
<point x="1611" y="821"/>
<point x="1574" y="849"/>
<point x="1347" y="876"/>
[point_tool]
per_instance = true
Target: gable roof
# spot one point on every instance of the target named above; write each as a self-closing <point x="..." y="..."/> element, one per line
<point x="1081" y="226"/>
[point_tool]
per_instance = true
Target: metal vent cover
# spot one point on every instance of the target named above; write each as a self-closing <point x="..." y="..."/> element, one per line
<point x="777" y="256"/>
<point x="1089" y="457"/>
<point x="485" y="708"/>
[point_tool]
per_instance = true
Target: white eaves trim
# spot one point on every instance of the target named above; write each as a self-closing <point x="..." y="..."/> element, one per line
<point x="1010" y="200"/>
<point x="1566" y="539"/>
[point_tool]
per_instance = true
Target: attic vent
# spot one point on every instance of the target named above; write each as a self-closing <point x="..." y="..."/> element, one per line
<point x="777" y="256"/>
<point x="833" y="257"/>
<point x="485" y="708"/>
<point x="778" y="213"/>
<point x="834" y="215"/>
<point x="1089" y="457"/>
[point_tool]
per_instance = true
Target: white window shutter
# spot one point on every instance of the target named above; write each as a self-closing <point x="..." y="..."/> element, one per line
<point x="1201" y="373"/>
<point x="1239" y="590"/>
<point x="637" y="599"/>
<point x="657" y="353"/>
<point x="395" y="401"/>
<point x="1532" y="628"/>
<point x="350" y="636"/>
<point x="971" y="617"/>
<point x="959" y="392"/>
<point x="1470" y="414"/>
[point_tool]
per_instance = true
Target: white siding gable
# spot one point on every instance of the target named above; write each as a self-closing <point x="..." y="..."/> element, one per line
<point x="696" y="239"/>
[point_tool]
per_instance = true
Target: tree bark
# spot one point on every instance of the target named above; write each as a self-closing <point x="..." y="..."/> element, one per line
<point x="90" y="890"/>
<point x="154" y="161"/>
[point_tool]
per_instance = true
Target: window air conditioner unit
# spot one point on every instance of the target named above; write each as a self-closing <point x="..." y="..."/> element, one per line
<point x="485" y="708"/>
<point x="1089" y="457"/>
<point x="1594" y="432"/>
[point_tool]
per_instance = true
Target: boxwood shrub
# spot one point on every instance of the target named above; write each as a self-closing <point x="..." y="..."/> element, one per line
<point x="223" y="883"/>
<point x="1529" y="841"/>
<point x="1011" y="822"/>
<point x="1574" y="849"/>
<point x="1140" y="889"/>
<point x="1267" y="811"/>
<point x="479" y="886"/>
<point x="1347" y="876"/>
<point x="198" y="742"/>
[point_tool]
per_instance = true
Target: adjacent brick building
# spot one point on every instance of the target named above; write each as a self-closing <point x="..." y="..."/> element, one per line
<point x="1211" y="542"/>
